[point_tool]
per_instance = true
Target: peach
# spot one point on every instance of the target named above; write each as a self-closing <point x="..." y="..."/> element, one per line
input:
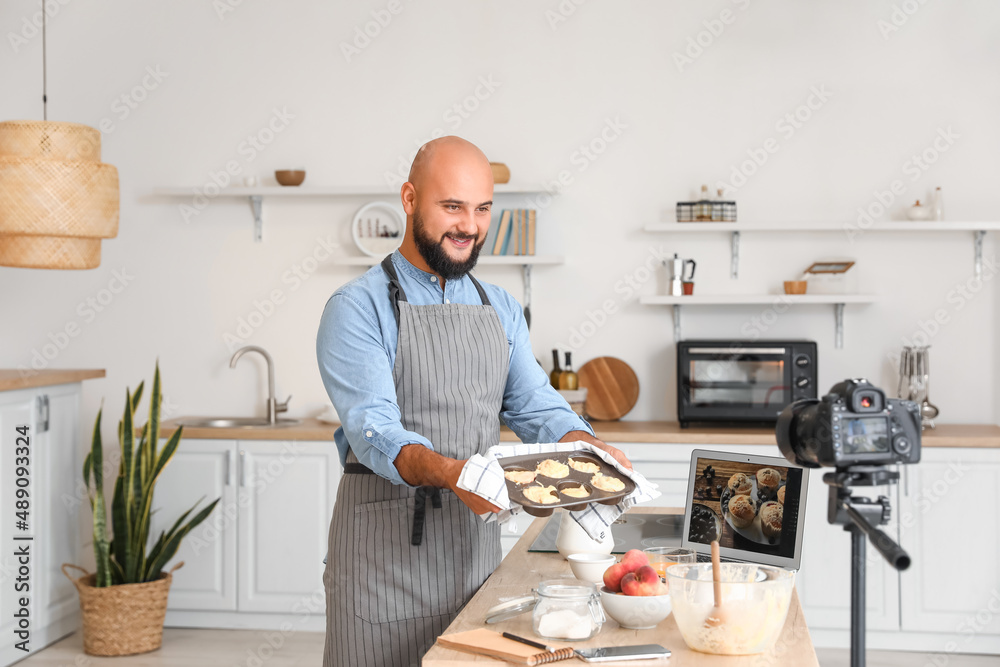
<point x="634" y="559"/>
<point x="613" y="577"/>
<point x="644" y="581"/>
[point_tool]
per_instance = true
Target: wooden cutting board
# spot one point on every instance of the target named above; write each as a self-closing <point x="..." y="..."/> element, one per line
<point x="612" y="388"/>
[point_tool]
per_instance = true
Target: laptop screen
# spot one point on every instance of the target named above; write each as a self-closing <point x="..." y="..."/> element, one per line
<point x="753" y="505"/>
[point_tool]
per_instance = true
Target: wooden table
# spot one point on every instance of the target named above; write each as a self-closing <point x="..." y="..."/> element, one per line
<point x="521" y="571"/>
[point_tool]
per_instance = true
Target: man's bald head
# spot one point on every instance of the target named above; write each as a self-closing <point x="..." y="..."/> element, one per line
<point x="448" y="201"/>
<point x="446" y="155"/>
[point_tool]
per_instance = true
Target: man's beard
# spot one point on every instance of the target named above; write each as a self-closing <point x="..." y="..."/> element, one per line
<point x="435" y="255"/>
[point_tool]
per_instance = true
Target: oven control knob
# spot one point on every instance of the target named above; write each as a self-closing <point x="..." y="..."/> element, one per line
<point x="802" y="382"/>
<point x="803" y="361"/>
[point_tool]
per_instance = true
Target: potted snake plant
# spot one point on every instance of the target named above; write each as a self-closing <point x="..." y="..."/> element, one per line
<point x="124" y="602"/>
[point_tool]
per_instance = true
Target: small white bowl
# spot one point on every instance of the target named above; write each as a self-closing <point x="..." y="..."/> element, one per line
<point x="590" y="567"/>
<point x="636" y="612"/>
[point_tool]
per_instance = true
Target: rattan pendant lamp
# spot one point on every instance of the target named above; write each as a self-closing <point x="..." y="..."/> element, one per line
<point x="57" y="199"/>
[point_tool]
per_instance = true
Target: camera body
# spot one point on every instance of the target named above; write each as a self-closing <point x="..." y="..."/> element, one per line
<point x="854" y="424"/>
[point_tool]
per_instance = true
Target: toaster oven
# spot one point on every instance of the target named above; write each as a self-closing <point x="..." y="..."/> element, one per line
<point x="742" y="381"/>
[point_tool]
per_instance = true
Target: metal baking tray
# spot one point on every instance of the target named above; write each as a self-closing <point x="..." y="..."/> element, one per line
<point x="575" y="478"/>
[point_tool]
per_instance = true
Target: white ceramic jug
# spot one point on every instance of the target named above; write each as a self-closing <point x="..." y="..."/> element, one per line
<point x="573" y="539"/>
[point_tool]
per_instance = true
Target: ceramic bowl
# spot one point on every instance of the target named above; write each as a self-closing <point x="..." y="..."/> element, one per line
<point x="290" y="176"/>
<point x="635" y="612"/>
<point x="590" y="567"/>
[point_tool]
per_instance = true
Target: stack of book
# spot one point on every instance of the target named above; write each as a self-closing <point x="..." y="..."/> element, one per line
<point x="512" y="233"/>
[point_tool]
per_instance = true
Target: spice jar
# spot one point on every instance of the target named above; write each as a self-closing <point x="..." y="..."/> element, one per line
<point x="567" y="609"/>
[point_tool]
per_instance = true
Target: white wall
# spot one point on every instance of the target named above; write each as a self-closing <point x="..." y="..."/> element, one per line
<point x="558" y="83"/>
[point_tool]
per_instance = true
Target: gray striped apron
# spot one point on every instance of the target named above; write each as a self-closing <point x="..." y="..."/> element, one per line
<point x="387" y="598"/>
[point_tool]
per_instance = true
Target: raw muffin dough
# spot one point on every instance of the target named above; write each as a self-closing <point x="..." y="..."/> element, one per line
<point x="605" y="483"/>
<point x="520" y="476"/>
<point x="575" y="491"/>
<point x="543" y="495"/>
<point x="584" y="466"/>
<point x="553" y="469"/>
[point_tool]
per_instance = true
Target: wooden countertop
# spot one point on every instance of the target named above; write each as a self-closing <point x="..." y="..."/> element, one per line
<point x="945" y="435"/>
<point x="11" y="379"/>
<point x="521" y="571"/>
<point x="310" y="429"/>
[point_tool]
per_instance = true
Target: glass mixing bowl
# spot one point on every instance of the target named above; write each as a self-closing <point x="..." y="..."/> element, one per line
<point x="755" y="601"/>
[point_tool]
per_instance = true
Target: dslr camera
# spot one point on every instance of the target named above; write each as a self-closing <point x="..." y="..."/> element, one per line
<point x="855" y="424"/>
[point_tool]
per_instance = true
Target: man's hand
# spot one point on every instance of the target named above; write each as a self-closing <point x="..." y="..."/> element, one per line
<point x="419" y="466"/>
<point x="600" y="444"/>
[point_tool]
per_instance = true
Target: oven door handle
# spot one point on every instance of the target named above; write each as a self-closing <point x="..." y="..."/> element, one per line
<point x="776" y="351"/>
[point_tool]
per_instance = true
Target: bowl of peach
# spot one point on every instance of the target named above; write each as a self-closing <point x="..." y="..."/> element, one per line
<point x="633" y="593"/>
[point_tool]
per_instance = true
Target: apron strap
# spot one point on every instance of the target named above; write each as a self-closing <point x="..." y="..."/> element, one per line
<point x="420" y="501"/>
<point x="396" y="293"/>
<point x="423" y="493"/>
<point x="479" y="288"/>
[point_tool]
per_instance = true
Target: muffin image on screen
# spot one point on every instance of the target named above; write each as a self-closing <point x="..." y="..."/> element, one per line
<point x="740" y="484"/>
<point x="771" y="514"/>
<point x="768" y="480"/>
<point x="742" y="511"/>
<point x="781" y="495"/>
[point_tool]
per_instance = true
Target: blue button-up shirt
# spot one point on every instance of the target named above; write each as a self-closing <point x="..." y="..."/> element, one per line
<point x="356" y="349"/>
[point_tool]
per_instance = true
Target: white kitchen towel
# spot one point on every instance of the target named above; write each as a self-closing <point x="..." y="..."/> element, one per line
<point x="483" y="476"/>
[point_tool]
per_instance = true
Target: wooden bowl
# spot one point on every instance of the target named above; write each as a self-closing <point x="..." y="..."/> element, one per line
<point x="796" y="286"/>
<point x="501" y="174"/>
<point x="290" y="176"/>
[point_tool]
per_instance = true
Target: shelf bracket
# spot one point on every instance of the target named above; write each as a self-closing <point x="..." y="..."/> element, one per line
<point x="838" y="334"/>
<point x="978" y="246"/>
<point x="677" y="323"/>
<point x="257" y="204"/>
<point x="734" y="264"/>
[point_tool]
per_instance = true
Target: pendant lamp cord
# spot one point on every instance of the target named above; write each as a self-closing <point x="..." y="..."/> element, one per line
<point x="45" y="93"/>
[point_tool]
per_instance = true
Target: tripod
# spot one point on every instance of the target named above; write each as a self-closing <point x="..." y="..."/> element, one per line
<point x="860" y="515"/>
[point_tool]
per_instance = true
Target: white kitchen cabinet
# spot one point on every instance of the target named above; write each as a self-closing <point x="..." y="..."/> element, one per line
<point x="258" y="558"/>
<point x="824" y="579"/>
<point x="950" y="525"/>
<point x="51" y="414"/>
<point x="205" y="469"/>
<point x="283" y="527"/>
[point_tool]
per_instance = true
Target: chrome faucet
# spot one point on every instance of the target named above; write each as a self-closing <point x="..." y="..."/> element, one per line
<point x="273" y="407"/>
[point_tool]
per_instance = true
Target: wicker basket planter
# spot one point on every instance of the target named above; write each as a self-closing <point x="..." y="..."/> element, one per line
<point x="125" y="619"/>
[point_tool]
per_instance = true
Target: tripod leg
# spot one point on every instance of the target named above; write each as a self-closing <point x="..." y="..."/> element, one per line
<point x="857" y="596"/>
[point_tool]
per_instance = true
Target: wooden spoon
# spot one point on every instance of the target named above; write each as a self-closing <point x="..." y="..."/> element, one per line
<point x="716" y="617"/>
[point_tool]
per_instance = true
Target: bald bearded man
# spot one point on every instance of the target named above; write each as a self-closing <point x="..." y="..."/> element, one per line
<point x="422" y="362"/>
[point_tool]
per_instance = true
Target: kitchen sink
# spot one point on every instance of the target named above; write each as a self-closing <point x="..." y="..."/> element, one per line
<point x="235" y="422"/>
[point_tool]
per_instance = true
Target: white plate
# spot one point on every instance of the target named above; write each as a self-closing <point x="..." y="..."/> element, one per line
<point x="329" y="416"/>
<point x="372" y="222"/>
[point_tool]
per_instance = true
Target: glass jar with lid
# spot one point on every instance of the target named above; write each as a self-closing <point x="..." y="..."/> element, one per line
<point x="567" y="609"/>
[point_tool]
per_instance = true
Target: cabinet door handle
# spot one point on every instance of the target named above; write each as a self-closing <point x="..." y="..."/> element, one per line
<point x="244" y="468"/>
<point x="231" y="467"/>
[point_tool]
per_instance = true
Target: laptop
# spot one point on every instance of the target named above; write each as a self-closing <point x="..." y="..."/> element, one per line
<point x="707" y="515"/>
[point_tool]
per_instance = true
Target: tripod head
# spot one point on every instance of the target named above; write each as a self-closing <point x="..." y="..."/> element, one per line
<point x="861" y="513"/>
